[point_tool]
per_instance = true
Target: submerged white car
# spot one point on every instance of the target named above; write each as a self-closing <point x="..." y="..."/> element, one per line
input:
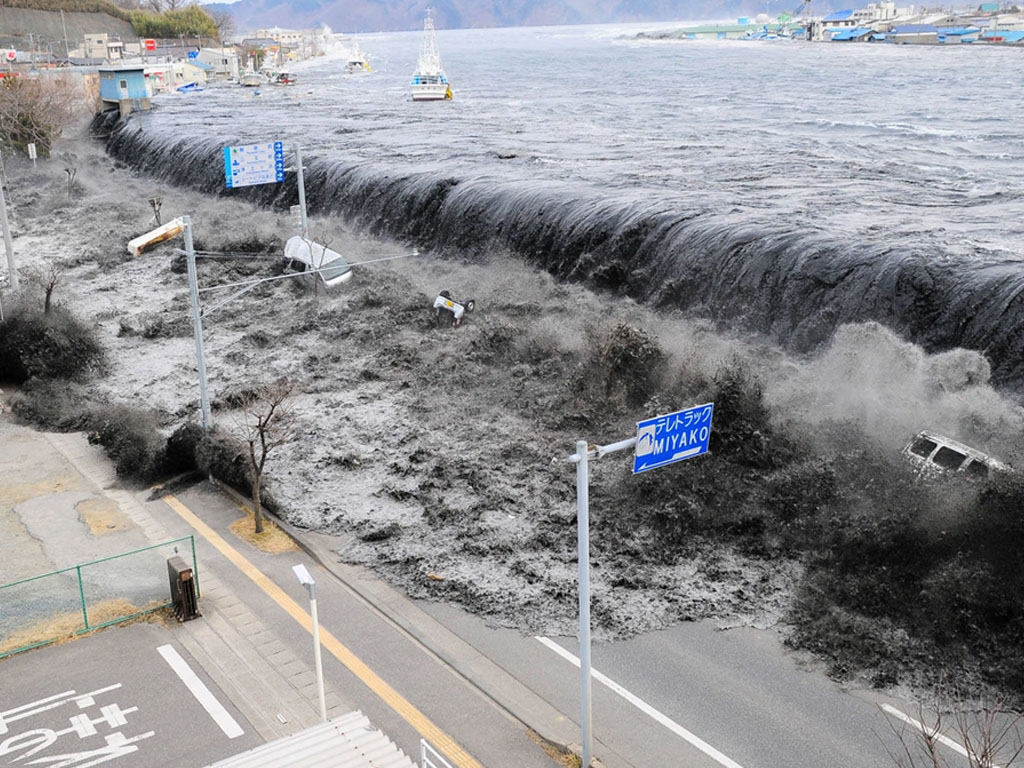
<point x="307" y="256"/>
<point x="934" y="452"/>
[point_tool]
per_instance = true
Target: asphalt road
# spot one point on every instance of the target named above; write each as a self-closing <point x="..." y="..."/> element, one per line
<point x="115" y="697"/>
<point x="738" y="691"/>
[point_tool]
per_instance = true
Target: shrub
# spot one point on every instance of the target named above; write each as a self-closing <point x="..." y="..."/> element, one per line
<point x="631" y="362"/>
<point x="54" y="345"/>
<point x="132" y="439"/>
<point x="183" y="447"/>
<point x="57" y="406"/>
<point x="223" y="456"/>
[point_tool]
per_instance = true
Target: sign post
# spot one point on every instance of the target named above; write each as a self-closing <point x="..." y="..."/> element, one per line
<point x="31" y="146"/>
<point x="659" y="441"/>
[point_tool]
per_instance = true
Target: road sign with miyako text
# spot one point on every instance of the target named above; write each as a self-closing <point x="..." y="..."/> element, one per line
<point x="672" y="437"/>
<point x="254" y="164"/>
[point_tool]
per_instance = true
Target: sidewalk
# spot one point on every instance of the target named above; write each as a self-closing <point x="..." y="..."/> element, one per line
<point x="67" y="509"/>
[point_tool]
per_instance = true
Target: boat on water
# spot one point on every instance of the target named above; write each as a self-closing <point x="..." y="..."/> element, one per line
<point x="429" y="82"/>
<point x="250" y="78"/>
<point x="357" y="62"/>
<point x="283" y="78"/>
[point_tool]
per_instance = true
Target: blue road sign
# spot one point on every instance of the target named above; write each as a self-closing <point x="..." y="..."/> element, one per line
<point x="672" y="437"/>
<point x="254" y="164"/>
<point x="193" y="54"/>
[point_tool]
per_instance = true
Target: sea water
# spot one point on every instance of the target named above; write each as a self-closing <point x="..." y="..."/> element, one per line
<point x="781" y="186"/>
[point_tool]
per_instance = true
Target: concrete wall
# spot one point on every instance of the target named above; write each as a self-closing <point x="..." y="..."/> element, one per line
<point x="17" y="23"/>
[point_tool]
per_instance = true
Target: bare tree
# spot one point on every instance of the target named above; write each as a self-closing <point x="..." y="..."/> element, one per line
<point x="46" y="277"/>
<point x="983" y="733"/>
<point x="267" y="423"/>
<point x="35" y="111"/>
<point x="224" y="22"/>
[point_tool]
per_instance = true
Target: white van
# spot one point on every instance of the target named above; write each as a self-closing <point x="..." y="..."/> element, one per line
<point x="934" y="452"/>
<point x="306" y="256"/>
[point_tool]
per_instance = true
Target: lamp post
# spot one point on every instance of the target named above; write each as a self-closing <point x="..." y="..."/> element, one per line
<point x="307" y="581"/>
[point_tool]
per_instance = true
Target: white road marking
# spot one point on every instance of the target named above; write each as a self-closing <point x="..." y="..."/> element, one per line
<point x="213" y="707"/>
<point x="646" y="708"/>
<point x="920" y="728"/>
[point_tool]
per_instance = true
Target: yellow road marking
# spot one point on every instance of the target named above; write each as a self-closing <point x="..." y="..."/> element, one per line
<point x="423" y="725"/>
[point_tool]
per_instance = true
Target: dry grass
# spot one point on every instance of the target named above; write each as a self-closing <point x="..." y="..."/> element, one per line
<point x="66" y="626"/>
<point x="561" y="755"/>
<point x="273" y="540"/>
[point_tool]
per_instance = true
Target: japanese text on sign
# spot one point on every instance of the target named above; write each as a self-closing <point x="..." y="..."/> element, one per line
<point x="254" y="164"/>
<point x="672" y="437"/>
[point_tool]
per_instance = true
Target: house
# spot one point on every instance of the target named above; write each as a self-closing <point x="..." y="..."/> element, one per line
<point x="124" y="88"/>
<point x="99" y="46"/>
<point x="225" y="65"/>
<point x="957" y="35"/>
<point x="840" y="19"/>
<point x="917" y="34"/>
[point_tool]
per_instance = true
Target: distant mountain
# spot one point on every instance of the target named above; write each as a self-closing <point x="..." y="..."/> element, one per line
<point x="391" y="15"/>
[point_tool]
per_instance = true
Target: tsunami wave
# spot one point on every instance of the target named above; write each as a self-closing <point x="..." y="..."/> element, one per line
<point x="789" y="282"/>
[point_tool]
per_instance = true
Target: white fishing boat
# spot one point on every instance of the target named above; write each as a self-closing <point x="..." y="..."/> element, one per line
<point x="250" y="77"/>
<point x="357" y="62"/>
<point x="429" y="82"/>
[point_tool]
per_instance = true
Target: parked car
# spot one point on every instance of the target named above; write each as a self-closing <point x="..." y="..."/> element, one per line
<point x="933" y="452"/>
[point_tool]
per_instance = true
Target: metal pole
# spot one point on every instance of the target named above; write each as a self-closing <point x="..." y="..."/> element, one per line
<point x="316" y="653"/>
<point x="302" y="192"/>
<point x="8" y="243"/>
<point x="583" y="558"/>
<point x="67" y="48"/>
<point x="197" y="322"/>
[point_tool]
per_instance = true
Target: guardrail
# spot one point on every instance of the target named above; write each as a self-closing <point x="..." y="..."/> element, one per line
<point x="431" y="758"/>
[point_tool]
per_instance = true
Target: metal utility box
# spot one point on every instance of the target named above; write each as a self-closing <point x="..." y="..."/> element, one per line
<point x="183" y="589"/>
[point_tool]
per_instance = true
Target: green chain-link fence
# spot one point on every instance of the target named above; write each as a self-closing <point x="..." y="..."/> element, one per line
<point x="60" y="604"/>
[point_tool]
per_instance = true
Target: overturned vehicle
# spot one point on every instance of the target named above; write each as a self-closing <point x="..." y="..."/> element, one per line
<point x="935" y="453"/>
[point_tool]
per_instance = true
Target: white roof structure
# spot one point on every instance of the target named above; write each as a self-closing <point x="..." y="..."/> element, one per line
<point x="348" y="741"/>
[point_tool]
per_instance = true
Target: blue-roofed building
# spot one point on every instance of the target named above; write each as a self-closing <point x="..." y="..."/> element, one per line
<point x="958" y="35"/>
<point x="840" y="19"/>
<point x="855" y="35"/>
<point x="1003" y="36"/>
<point x="919" y="34"/>
<point x="124" y="88"/>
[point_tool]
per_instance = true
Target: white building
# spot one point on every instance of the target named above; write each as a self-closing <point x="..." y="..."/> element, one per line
<point x="225" y="65"/>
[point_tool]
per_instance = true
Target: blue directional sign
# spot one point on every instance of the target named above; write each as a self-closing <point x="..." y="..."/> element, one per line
<point x="193" y="54"/>
<point x="673" y="437"/>
<point x="254" y="164"/>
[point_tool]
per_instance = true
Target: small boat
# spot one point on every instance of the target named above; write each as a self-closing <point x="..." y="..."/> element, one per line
<point x="429" y="82"/>
<point x="284" y="78"/>
<point x="189" y="88"/>
<point x="250" y="77"/>
<point x="357" y="63"/>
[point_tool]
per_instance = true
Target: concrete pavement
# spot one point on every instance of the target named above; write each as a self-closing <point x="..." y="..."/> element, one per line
<point x="60" y="504"/>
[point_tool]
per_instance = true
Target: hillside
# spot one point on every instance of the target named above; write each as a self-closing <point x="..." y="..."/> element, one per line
<point x="16" y="24"/>
<point x="392" y="15"/>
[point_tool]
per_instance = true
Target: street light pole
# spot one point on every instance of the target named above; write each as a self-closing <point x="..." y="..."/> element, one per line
<point x="583" y="560"/>
<point x="8" y="242"/>
<point x="301" y="179"/>
<point x="307" y="581"/>
<point x="197" y="322"/>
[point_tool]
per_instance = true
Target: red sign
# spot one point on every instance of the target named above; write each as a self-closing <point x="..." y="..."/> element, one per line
<point x="11" y="55"/>
<point x="150" y="44"/>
